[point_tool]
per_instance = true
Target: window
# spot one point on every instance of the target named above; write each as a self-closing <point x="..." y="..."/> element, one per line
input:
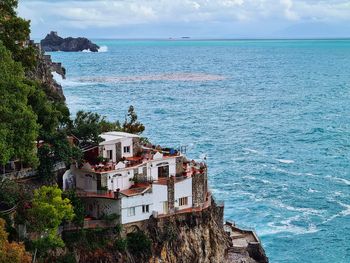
<point x="126" y="149"/>
<point x="145" y="209"/>
<point x="163" y="171"/>
<point x="183" y="201"/>
<point x="131" y="211"/>
<point x="109" y="154"/>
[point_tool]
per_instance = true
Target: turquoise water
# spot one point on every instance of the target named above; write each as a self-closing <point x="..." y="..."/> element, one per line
<point x="272" y="118"/>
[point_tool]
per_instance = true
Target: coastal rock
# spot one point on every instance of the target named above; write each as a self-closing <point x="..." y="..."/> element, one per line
<point x="53" y="42"/>
<point x="43" y="73"/>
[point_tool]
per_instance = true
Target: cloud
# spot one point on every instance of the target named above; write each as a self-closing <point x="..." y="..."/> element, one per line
<point x="102" y="14"/>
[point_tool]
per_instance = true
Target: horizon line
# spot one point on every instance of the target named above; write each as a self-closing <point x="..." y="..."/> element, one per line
<point x="186" y="38"/>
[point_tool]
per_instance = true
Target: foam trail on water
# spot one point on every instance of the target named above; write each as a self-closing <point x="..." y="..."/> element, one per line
<point x="103" y="49"/>
<point x="285" y="161"/>
<point x="337" y="179"/>
<point x="67" y="83"/>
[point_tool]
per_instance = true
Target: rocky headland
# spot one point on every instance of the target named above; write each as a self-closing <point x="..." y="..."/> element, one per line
<point x="53" y="42"/>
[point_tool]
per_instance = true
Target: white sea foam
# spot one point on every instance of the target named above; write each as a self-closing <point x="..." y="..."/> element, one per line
<point x="313" y="190"/>
<point x="86" y="51"/>
<point x="256" y="179"/>
<point x="67" y="82"/>
<point x="285" y="161"/>
<point x="251" y="150"/>
<point x="304" y="210"/>
<point x="344" y="212"/>
<point x="286" y="226"/>
<point x="338" y="179"/>
<point x="103" y="49"/>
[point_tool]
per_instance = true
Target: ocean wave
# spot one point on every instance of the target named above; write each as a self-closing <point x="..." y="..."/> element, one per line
<point x="287" y="172"/>
<point x="195" y="77"/>
<point x="312" y="191"/>
<point x="256" y="179"/>
<point x="103" y="49"/>
<point x="285" y="161"/>
<point x="68" y="82"/>
<point x="338" y="179"/>
<point x="342" y="213"/>
<point x="251" y="150"/>
<point x="286" y="226"/>
<point x="304" y="210"/>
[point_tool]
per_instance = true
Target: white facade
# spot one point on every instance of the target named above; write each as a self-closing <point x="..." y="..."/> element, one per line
<point x="109" y="145"/>
<point x="136" y="208"/>
<point x="130" y="204"/>
<point x="160" y="199"/>
<point x="183" y="194"/>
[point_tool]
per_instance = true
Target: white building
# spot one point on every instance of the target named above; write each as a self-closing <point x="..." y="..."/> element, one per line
<point x="138" y="181"/>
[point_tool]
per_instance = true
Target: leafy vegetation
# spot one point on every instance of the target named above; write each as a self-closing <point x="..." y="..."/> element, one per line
<point x="18" y="126"/>
<point x="87" y="126"/>
<point x="131" y="124"/>
<point x="48" y="211"/>
<point x="8" y="193"/>
<point x="34" y="124"/>
<point x="11" y="252"/>
<point x="14" y="33"/>
<point x="139" y="244"/>
<point x="78" y="207"/>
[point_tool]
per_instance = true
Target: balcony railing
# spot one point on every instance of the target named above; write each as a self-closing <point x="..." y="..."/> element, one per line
<point x="97" y="194"/>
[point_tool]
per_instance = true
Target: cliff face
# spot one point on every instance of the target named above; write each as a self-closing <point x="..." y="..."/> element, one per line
<point x="43" y="73"/>
<point x="53" y="42"/>
<point x="191" y="237"/>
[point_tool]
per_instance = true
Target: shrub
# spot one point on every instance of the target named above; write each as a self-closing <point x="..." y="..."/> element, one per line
<point x="138" y="243"/>
<point x="121" y="244"/>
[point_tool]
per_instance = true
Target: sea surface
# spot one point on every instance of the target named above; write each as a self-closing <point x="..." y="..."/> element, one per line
<point x="271" y="117"/>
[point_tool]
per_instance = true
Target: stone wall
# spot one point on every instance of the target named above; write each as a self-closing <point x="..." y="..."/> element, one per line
<point x="171" y="194"/>
<point x="199" y="188"/>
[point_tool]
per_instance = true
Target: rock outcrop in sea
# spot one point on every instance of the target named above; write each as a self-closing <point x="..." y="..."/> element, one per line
<point x="53" y="42"/>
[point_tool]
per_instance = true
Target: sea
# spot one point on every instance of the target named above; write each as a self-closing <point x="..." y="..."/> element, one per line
<point x="270" y="117"/>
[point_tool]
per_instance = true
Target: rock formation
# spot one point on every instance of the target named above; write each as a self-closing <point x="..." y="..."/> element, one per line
<point x="53" y="42"/>
<point x="43" y="73"/>
<point x="193" y="237"/>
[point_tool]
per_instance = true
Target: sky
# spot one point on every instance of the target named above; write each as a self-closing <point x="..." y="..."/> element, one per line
<point x="191" y="18"/>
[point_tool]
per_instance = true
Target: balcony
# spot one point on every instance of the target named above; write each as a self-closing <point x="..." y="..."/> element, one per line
<point x="97" y="194"/>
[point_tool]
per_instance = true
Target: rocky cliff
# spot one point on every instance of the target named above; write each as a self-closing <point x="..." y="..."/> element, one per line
<point x="53" y="42"/>
<point x="193" y="237"/>
<point x="43" y="74"/>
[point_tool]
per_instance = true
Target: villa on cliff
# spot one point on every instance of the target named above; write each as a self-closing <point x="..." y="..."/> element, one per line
<point x="136" y="181"/>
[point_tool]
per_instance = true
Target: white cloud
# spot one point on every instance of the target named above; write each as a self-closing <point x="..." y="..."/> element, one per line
<point x="119" y="13"/>
<point x="288" y="12"/>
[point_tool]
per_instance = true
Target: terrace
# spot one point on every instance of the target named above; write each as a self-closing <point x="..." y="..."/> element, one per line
<point x="147" y="154"/>
<point x="97" y="194"/>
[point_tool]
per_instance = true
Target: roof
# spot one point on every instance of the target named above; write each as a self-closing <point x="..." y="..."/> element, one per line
<point x="135" y="191"/>
<point x="116" y="136"/>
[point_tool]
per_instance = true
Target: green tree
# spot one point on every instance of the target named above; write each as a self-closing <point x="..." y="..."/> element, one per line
<point x="131" y="124"/>
<point x="18" y="125"/>
<point x="14" y="33"/>
<point x="48" y="211"/>
<point x="87" y="126"/>
<point x="9" y="192"/>
<point x="45" y="169"/>
<point x="48" y="115"/>
<point x="78" y="206"/>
